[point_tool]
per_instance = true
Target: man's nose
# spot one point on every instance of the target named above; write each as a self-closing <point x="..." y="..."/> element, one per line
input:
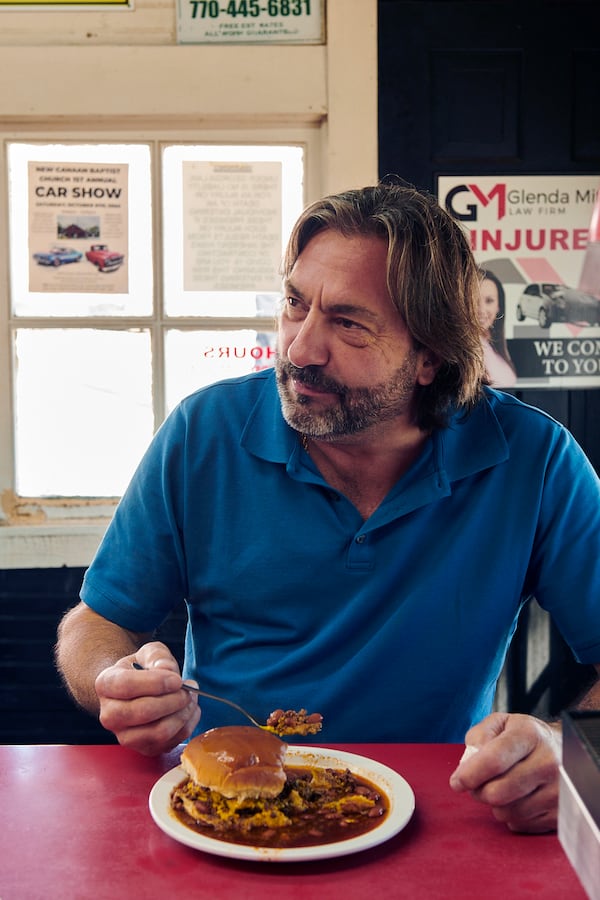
<point x="309" y="346"/>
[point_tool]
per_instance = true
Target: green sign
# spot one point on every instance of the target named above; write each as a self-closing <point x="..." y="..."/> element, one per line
<point x="250" y="22"/>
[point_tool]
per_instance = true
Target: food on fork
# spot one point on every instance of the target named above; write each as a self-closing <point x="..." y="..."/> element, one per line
<point x="286" y="722"/>
<point x="280" y="722"/>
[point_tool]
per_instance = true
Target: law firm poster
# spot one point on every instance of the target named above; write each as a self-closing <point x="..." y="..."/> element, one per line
<point x="532" y="238"/>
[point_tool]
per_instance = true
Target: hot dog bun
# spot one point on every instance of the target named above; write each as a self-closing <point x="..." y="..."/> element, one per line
<point x="237" y="761"/>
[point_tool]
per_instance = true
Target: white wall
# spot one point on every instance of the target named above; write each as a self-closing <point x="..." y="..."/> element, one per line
<point x="126" y="64"/>
<point x="77" y="74"/>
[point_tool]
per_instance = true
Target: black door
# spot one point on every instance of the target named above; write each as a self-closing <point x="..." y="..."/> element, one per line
<point x="483" y="88"/>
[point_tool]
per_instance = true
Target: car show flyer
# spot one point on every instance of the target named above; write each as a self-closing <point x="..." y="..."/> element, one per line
<point x="78" y="227"/>
<point x="532" y="238"/>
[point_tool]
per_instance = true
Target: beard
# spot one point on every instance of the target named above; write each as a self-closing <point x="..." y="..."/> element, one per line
<point x="357" y="409"/>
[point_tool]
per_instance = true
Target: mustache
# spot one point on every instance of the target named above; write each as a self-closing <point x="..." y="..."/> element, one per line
<point x="312" y="376"/>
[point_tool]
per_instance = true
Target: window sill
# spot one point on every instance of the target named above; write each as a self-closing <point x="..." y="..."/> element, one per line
<point x="50" y="546"/>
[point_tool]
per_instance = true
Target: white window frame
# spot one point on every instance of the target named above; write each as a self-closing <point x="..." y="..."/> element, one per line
<point x="66" y="531"/>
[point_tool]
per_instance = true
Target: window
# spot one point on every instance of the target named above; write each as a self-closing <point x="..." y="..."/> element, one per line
<point x="138" y="272"/>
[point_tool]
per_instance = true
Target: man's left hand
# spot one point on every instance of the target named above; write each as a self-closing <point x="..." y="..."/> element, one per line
<point x="515" y="770"/>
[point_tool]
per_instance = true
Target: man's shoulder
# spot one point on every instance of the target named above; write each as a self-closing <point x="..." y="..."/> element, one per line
<point x="500" y="430"/>
<point x="242" y="385"/>
<point x="510" y="410"/>
<point x="528" y="430"/>
<point x="236" y="394"/>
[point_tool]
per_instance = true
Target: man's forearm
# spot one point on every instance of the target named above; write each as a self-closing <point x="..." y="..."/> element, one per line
<point x="87" y="644"/>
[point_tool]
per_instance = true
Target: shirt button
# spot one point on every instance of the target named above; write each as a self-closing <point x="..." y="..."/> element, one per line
<point x="360" y="539"/>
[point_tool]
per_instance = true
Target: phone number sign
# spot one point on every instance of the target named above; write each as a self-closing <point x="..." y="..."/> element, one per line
<point x="250" y="21"/>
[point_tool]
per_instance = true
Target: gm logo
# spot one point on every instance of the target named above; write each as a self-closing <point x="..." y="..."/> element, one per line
<point x="460" y="208"/>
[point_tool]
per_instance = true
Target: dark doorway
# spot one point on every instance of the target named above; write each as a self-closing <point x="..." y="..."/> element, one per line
<point x="490" y="88"/>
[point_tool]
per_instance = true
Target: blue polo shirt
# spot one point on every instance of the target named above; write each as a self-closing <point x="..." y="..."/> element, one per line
<point x="394" y="628"/>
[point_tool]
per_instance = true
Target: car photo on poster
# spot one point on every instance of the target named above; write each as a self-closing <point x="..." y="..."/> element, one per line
<point x="105" y="259"/>
<point x="550" y="303"/>
<point x="58" y="256"/>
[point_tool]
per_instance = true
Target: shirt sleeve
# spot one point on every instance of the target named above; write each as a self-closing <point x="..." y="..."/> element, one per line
<point x="566" y="561"/>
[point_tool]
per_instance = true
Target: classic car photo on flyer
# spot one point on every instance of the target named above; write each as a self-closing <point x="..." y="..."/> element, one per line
<point x="105" y="259"/>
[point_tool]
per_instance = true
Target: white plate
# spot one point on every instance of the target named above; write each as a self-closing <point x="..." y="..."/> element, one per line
<point x="398" y="791"/>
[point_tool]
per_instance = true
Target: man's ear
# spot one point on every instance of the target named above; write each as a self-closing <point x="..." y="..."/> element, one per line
<point x="429" y="364"/>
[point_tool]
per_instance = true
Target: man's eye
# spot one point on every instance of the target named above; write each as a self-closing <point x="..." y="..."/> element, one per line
<point x="294" y="307"/>
<point x="350" y="324"/>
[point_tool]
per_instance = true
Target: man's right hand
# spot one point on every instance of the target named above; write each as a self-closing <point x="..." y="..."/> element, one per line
<point x="147" y="710"/>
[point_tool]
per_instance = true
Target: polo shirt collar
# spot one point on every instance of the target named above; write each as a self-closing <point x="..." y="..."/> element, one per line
<point x="473" y="442"/>
<point x="266" y="433"/>
<point x="470" y="444"/>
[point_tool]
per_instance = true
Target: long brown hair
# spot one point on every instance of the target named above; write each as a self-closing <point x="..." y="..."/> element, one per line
<point x="432" y="279"/>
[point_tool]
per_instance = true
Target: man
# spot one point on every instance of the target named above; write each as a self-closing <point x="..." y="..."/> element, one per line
<point x="357" y="531"/>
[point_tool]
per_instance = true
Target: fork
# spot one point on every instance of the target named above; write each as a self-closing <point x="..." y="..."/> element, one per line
<point x="194" y="690"/>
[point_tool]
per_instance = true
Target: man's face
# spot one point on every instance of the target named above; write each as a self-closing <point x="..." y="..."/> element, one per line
<point x="345" y="359"/>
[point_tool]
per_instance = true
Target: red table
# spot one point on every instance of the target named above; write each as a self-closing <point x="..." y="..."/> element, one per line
<point x="75" y="825"/>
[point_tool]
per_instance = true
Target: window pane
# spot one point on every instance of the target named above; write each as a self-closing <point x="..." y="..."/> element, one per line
<point x="80" y="229"/>
<point x="83" y="410"/>
<point x="227" y="213"/>
<point x="197" y="358"/>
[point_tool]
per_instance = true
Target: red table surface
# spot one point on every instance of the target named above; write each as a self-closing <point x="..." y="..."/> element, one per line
<point x="75" y="824"/>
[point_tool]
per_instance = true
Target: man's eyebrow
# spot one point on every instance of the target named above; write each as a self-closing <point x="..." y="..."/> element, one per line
<point x="339" y="309"/>
<point x="353" y="309"/>
<point x="290" y="288"/>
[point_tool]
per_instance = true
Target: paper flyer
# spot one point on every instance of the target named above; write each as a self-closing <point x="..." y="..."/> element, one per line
<point x="78" y="227"/>
<point x="232" y="214"/>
